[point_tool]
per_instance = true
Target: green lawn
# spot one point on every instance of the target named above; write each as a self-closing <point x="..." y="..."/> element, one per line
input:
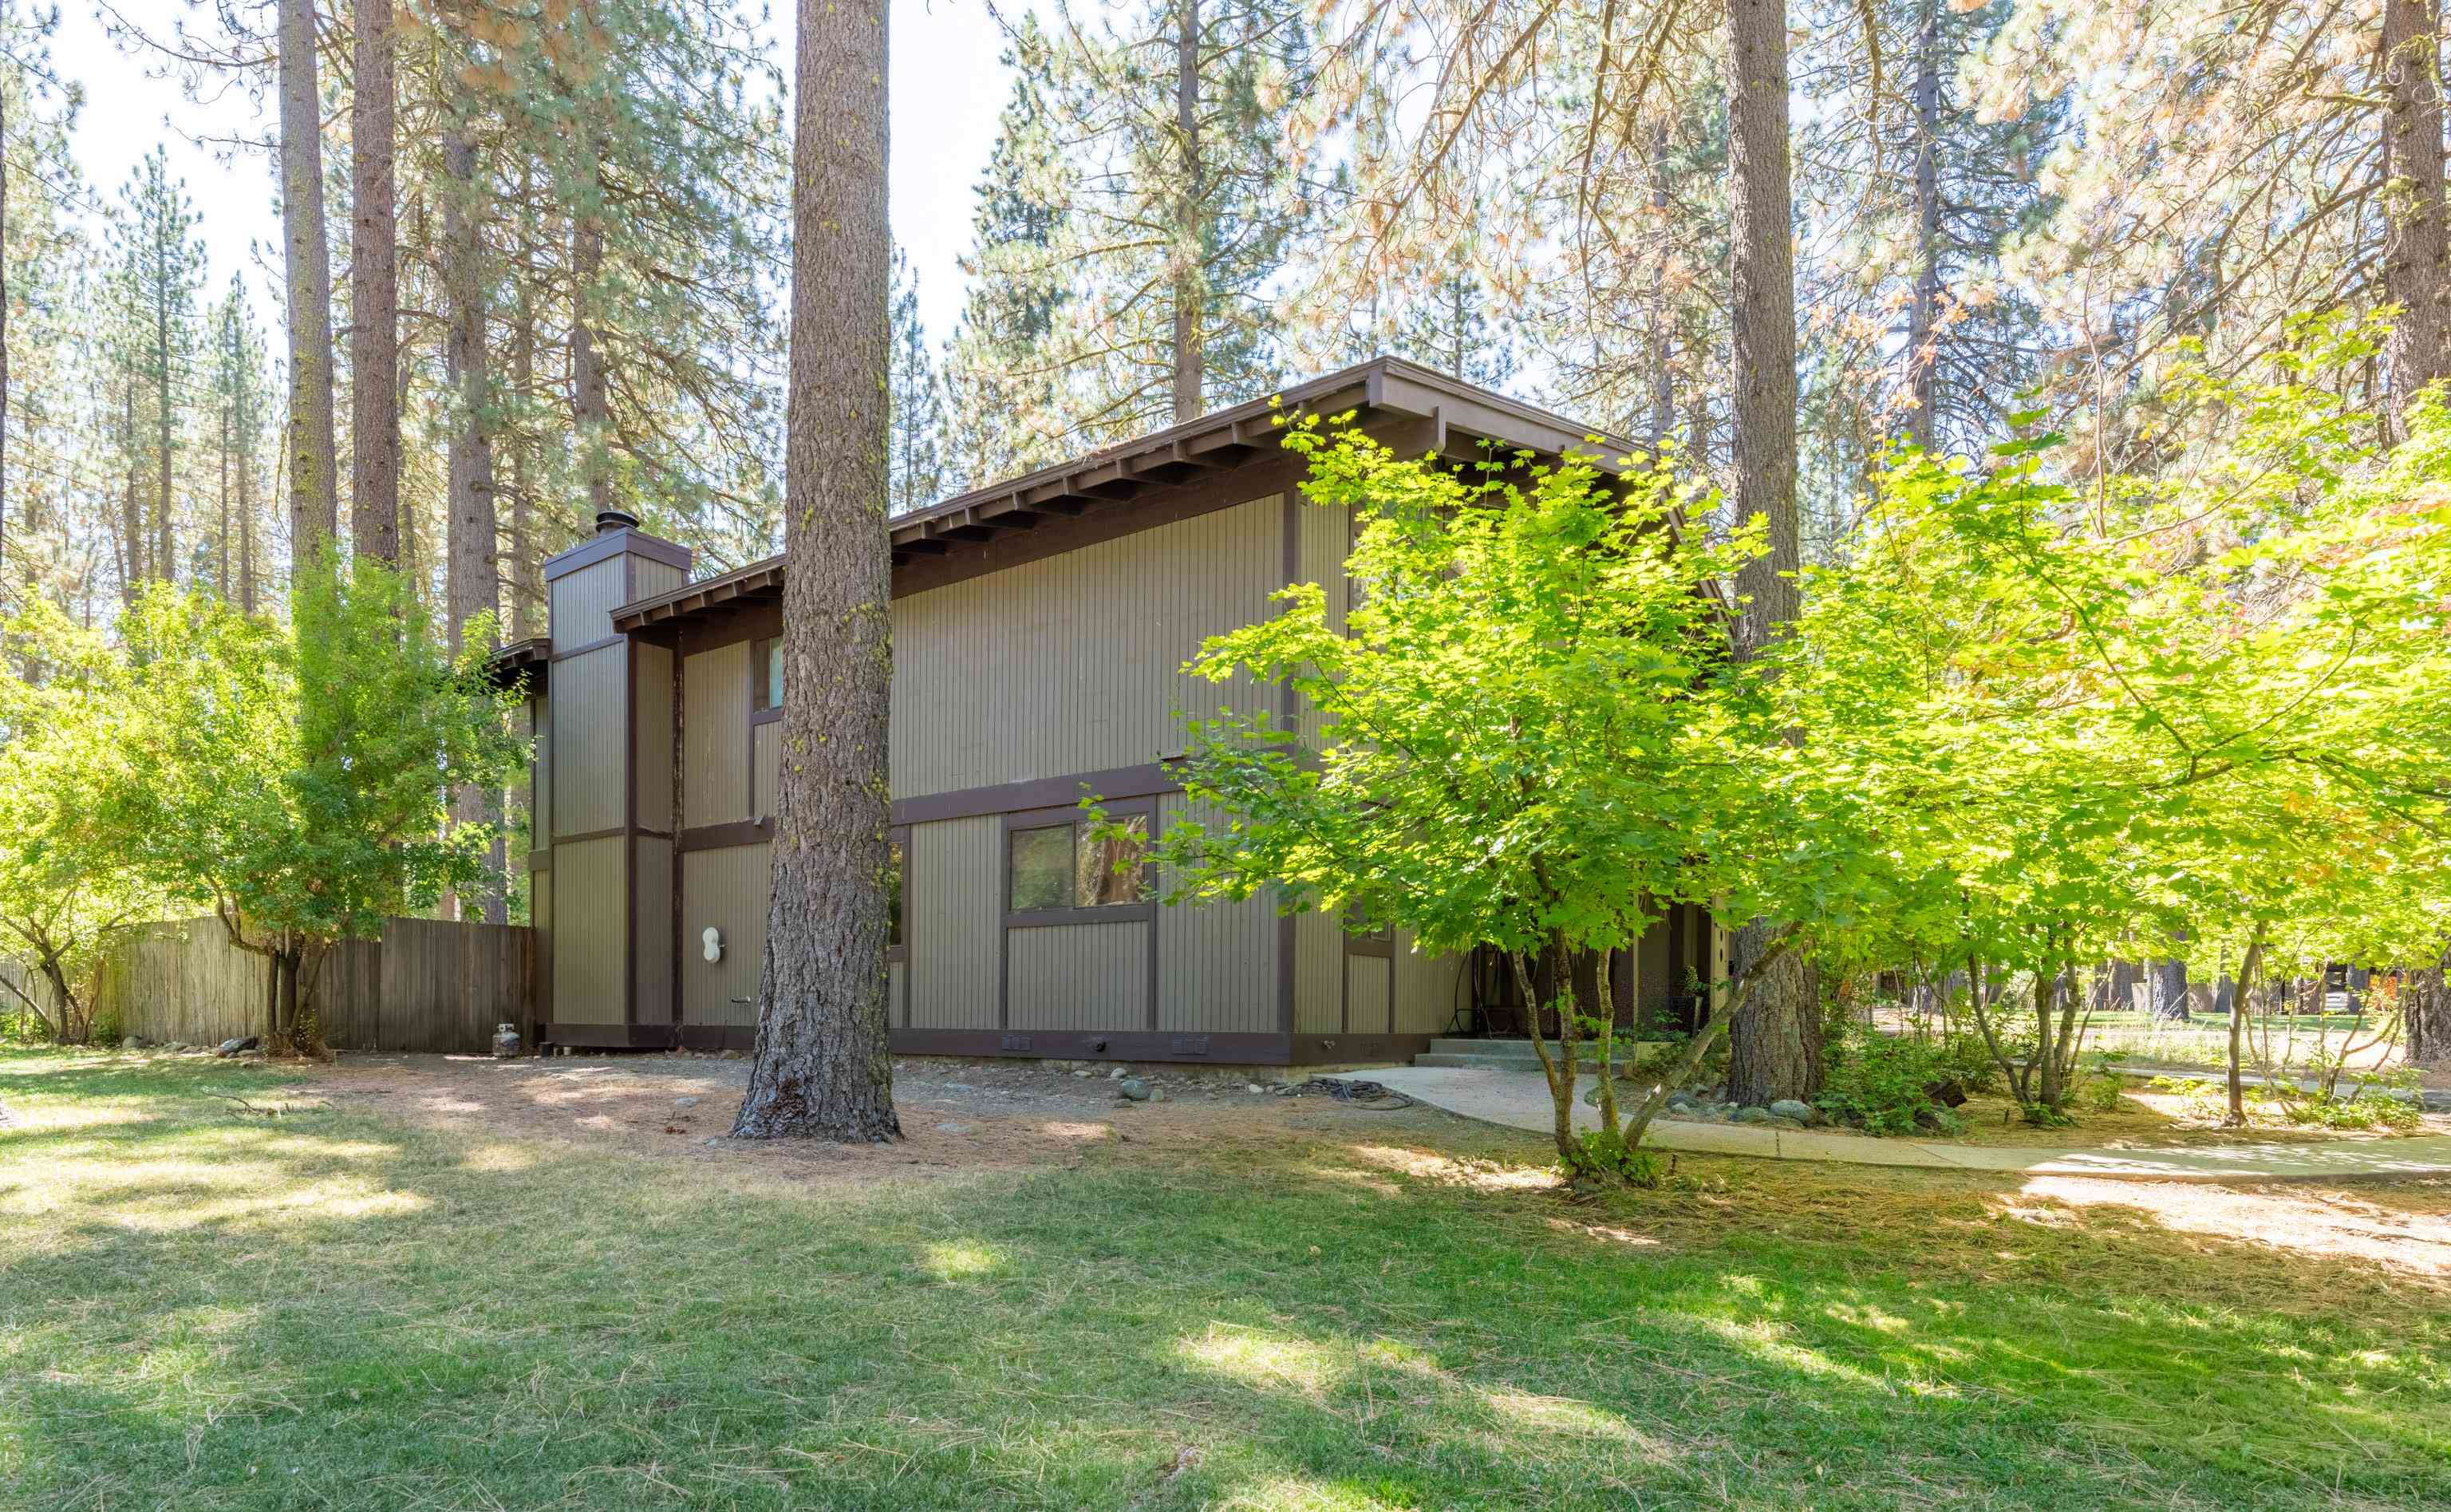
<point x="203" y="1308"/>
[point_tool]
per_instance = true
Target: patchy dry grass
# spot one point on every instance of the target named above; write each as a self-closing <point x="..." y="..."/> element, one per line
<point x="206" y="1307"/>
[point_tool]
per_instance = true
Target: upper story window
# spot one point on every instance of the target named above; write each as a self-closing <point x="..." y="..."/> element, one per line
<point x="766" y="673"/>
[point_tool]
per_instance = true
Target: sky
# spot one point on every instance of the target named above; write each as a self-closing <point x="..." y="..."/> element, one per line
<point x="946" y="88"/>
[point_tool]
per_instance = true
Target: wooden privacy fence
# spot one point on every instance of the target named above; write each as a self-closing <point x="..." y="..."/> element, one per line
<point x="428" y="985"/>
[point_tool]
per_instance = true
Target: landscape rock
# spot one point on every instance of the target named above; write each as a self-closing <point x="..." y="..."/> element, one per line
<point x="952" y="1129"/>
<point x="237" y="1047"/>
<point x="1133" y="1088"/>
<point x="1783" y="1121"/>
<point x="1750" y="1115"/>
<point x="1253" y="1087"/>
<point x="1083" y="1072"/>
<point x="684" y="1101"/>
<point x="1792" y="1108"/>
<point x="1117" y="1075"/>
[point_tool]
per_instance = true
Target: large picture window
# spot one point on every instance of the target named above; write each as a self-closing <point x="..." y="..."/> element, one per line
<point x="1061" y="866"/>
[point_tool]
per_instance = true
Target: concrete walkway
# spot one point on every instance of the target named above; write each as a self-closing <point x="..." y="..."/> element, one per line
<point x="1514" y="1100"/>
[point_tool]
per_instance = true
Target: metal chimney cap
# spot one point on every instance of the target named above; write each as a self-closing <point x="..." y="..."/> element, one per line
<point x="608" y="521"/>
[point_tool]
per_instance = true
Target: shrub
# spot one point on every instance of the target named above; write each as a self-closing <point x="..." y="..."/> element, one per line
<point x="1880" y="1083"/>
<point x="1602" y="1154"/>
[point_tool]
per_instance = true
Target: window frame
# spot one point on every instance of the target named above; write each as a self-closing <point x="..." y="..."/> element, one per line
<point x="763" y="650"/>
<point x="898" y="839"/>
<point x="1070" y="818"/>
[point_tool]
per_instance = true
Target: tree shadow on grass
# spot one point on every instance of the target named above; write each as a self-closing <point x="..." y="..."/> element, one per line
<point x="1358" y="1322"/>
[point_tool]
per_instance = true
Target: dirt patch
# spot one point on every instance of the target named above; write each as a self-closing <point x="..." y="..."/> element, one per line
<point x="958" y="1117"/>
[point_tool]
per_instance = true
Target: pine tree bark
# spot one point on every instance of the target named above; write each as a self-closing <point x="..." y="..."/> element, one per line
<point x="823" y="1066"/>
<point x="165" y="558"/>
<point x="1189" y="376"/>
<point x="472" y="570"/>
<point x="314" y="465"/>
<point x="2426" y="1002"/>
<point x="590" y="401"/>
<point x="1922" y="313"/>
<point x="3" y="353"/>
<point x="2167" y="997"/>
<point x="1774" y="1043"/>
<point x="2417" y="255"/>
<point x="374" y="294"/>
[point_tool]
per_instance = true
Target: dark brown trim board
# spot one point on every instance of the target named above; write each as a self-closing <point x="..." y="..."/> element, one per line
<point x="723" y="836"/>
<point x="610" y="1036"/>
<point x="1117" y="1045"/>
<point x="607" y="544"/>
<point x="1117" y="784"/>
<point x="1356" y="1050"/>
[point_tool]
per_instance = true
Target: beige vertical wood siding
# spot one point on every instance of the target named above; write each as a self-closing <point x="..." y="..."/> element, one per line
<point x="583" y="604"/>
<point x="652" y="919"/>
<point x="1319" y="975"/>
<point x="541" y="917"/>
<point x="954" y="914"/>
<point x="1071" y="664"/>
<point x="653" y="766"/>
<point x="714" y="696"/>
<point x="767" y="743"/>
<point x="1366" y="994"/>
<point x="1216" y="962"/>
<point x="648" y="576"/>
<point x="592" y="927"/>
<point x="1326" y="535"/>
<point x="1079" y="976"/>
<point x="897" y="995"/>
<point x="589" y="693"/>
<point x="540" y="770"/>
<point x="726" y="889"/>
<point x="1429" y="989"/>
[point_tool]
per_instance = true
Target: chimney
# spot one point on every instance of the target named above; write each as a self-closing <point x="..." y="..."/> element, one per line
<point x="608" y="521"/>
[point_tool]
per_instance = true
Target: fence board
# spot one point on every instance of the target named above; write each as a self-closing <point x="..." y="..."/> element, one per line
<point x="428" y="985"/>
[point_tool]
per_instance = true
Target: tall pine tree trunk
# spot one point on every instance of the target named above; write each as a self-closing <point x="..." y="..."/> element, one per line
<point x="222" y="535"/>
<point x="590" y="403"/>
<point x="1188" y="269"/>
<point x="374" y="295"/>
<point x="2428" y="1003"/>
<point x="1663" y="388"/>
<point x="131" y="512"/>
<point x="1774" y="1043"/>
<point x="2168" y="995"/>
<point x="3" y="353"/>
<point x="1923" y="314"/>
<point x="527" y="584"/>
<point x="2417" y="255"/>
<point x="314" y="465"/>
<point x="165" y="560"/>
<point x="473" y="570"/>
<point x="823" y="1067"/>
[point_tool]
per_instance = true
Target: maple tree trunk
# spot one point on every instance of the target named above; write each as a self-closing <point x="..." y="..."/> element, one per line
<point x="1774" y="1043"/>
<point x="823" y="1065"/>
<point x="374" y="295"/>
<point x="2236" y="1116"/>
<point x="2417" y="255"/>
<point x="1189" y="373"/>
<point x="314" y="506"/>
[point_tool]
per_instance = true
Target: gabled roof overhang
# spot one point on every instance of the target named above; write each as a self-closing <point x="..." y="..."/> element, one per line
<point x="1412" y="408"/>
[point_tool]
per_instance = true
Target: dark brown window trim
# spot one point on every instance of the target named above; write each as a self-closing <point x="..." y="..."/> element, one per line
<point x="1048" y="794"/>
<point x="758" y="716"/>
<point x="615" y="640"/>
<point x="1103" y="914"/>
<point x="723" y="836"/>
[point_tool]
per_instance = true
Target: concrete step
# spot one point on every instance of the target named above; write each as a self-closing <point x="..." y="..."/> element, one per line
<point x="1518" y="1054"/>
